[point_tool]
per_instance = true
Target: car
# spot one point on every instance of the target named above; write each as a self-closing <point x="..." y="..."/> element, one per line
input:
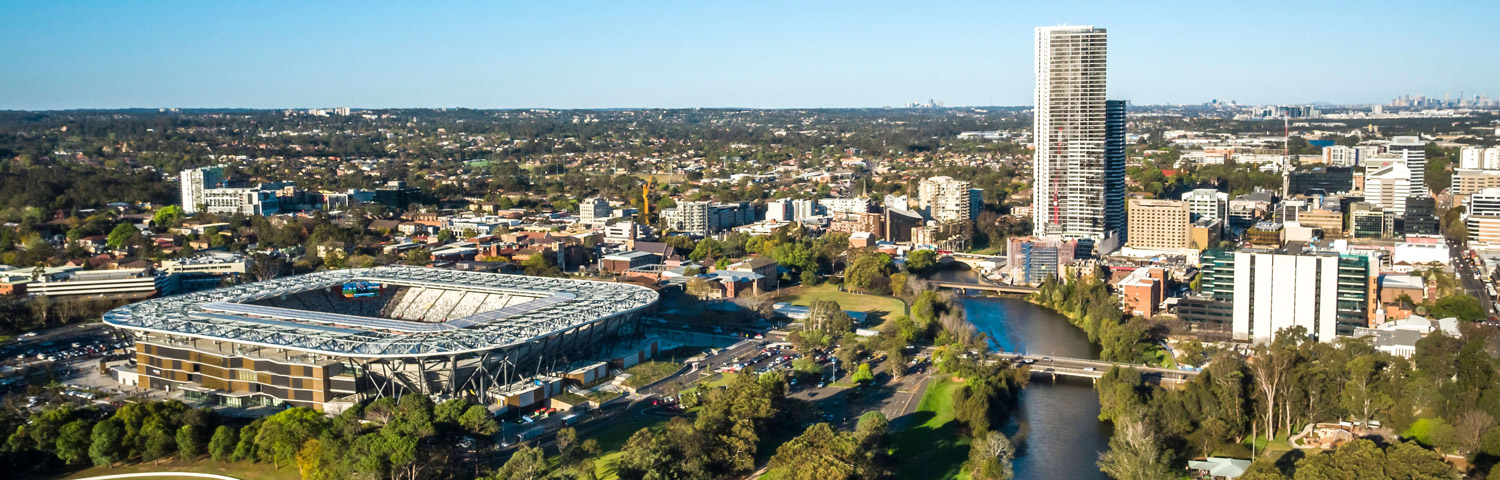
<point x="821" y="384"/>
<point x="1046" y="359"/>
<point x="1088" y="369"/>
<point x="29" y="334"/>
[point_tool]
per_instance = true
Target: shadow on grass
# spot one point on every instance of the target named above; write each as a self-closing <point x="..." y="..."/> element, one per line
<point x="926" y="452"/>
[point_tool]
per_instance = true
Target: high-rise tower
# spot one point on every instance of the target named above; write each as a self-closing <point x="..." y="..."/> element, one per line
<point x="1078" y="169"/>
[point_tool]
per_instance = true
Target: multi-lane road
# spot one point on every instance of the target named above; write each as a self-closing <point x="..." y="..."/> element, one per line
<point x="1470" y="276"/>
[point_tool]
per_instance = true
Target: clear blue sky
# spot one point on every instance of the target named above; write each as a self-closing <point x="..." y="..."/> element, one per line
<point x="574" y="54"/>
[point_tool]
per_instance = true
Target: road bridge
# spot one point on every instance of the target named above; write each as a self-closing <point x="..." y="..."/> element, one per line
<point x="1053" y="367"/>
<point x="984" y="286"/>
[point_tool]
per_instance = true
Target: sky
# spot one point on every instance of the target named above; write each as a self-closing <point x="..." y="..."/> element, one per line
<point x="762" y="54"/>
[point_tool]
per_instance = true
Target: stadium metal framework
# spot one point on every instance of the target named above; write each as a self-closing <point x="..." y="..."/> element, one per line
<point x="299" y="340"/>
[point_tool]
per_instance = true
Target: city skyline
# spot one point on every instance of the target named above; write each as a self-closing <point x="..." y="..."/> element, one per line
<point x="729" y="56"/>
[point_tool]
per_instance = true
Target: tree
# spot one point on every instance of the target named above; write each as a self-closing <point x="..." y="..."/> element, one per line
<point x="122" y="235"/>
<point x="418" y="256"/>
<point x="990" y="457"/>
<point x="73" y="441"/>
<point x="869" y="272"/>
<point x="921" y="261"/>
<point x="265" y="266"/>
<point x="106" y="437"/>
<point x="478" y="421"/>
<point x="818" y="453"/>
<point x="863" y="375"/>
<point x="281" y="435"/>
<point x="1462" y="306"/>
<point x="167" y="216"/>
<point x="1135" y="453"/>
<point x="221" y="446"/>
<point x="158" y="443"/>
<point x="1362" y="397"/>
<point x="528" y="463"/>
<point x="450" y="410"/>
<point x="189" y="442"/>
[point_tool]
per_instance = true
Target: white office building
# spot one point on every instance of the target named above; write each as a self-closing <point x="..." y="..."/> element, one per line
<point x="1326" y="294"/>
<point x="247" y="201"/>
<point x="1389" y="187"/>
<point x="1414" y="151"/>
<point x="1341" y="156"/>
<point x="194" y="182"/>
<point x="594" y="211"/>
<point x="1207" y="203"/>
<point x="845" y="205"/>
<point x="1485" y="158"/>
<point x="1078" y="189"/>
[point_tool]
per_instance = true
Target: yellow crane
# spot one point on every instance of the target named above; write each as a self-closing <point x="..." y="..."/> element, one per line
<point x="646" y="199"/>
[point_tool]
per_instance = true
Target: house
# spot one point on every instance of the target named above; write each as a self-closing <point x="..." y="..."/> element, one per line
<point x="764" y="266"/>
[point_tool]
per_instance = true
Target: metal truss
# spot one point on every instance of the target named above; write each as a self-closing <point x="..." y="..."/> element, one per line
<point x="559" y="306"/>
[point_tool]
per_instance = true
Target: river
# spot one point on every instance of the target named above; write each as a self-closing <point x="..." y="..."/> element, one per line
<point x="1057" y="423"/>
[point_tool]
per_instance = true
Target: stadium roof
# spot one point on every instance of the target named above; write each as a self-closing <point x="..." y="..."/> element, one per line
<point x="555" y="304"/>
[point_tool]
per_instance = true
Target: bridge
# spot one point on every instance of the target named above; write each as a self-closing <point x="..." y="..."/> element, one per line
<point x="984" y="286"/>
<point x="977" y="262"/>
<point x="1053" y="367"/>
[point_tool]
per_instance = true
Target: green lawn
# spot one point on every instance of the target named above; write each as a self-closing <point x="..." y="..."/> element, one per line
<point x="848" y="301"/>
<point x="612" y="439"/>
<point x="645" y="373"/>
<point x="933" y="448"/>
<point x="244" y="470"/>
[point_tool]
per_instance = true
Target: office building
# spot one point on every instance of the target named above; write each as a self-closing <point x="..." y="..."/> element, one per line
<point x="194" y="182"/>
<point x="1484" y="158"/>
<point x="1341" y="156"/>
<point x="1266" y="235"/>
<point x="245" y="201"/>
<point x="1414" y="152"/>
<point x="396" y="195"/>
<point x="1330" y="222"/>
<point x="1207" y="203"/>
<point x="1366" y="221"/>
<point x="1211" y="308"/>
<point x="1326" y="294"/>
<point x="1205" y="233"/>
<point x="1143" y="291"/>
<point x="707" y="218"/>
<point x="1421" y="216"/>
<point x="779" y="210"/>
<point x="1158" y="224"/>
<point x="844" y="205"/>
<point x="1389" y="187"/>
<point x="1078" y="185"/>
<point x="1483" y="216"/>
<point x="594" y="211"/>
<point x="1032" y="260"/>
<point x="804" y="209"/>
<point x="1321" y="181"/>
<point x="1468" y="181"/>
<point x="946" y="200"/>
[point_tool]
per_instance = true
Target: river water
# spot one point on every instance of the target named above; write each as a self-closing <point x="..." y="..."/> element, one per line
<point x="1057" y="427"/>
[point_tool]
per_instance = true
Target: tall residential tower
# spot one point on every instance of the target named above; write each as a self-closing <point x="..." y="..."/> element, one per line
<point x="1078" y="169"/>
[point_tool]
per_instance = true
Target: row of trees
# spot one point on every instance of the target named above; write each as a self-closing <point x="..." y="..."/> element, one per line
<point x="1446" y="397"/>
<point x="383" y="439"/>
<point x="1087" y="303"/>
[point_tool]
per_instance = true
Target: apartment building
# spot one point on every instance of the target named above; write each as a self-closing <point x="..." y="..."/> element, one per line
<point x="1158" y="224"/>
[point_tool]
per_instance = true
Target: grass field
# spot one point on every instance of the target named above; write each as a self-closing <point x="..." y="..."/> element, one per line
<point x="933" y="448"/>
<point x="848" y="301"/>
<point x="645" y="373"/>
<point x="613" y="437"/>
<point x="244" y="470"/>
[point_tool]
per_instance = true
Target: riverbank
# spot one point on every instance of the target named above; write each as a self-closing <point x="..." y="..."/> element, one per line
<point x="1055" y="425"/>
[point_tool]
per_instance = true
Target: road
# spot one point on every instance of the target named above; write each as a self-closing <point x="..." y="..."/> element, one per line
<point x="1469" y="276"/>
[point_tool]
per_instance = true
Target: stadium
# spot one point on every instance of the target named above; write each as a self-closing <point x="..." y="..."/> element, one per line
<point x="328" y="339"/>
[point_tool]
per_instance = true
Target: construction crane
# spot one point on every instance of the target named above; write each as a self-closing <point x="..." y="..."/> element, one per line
<point x="646" y="199"/>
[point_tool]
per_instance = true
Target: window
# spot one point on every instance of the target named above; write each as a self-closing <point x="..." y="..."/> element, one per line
<point x="244" y="375"/>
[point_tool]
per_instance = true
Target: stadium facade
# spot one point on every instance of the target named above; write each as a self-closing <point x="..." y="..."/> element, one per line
<point x="328" y="339"/>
